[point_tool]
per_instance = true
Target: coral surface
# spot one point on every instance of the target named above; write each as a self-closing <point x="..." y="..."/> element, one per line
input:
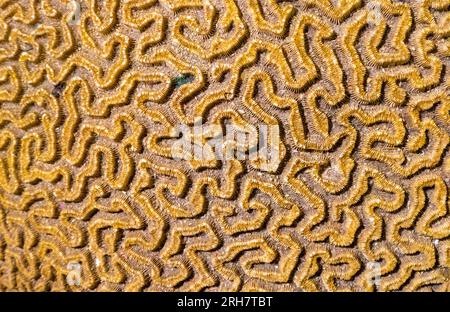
<point x="355" y="193"/>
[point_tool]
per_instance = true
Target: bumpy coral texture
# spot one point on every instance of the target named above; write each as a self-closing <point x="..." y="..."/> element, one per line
<point x="91" y="95"/>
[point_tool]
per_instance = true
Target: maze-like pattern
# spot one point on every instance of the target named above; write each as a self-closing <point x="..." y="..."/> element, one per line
<point x="89" y="100"/>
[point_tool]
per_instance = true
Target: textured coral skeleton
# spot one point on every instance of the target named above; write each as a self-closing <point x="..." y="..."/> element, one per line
<point x="91" y="197"/>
